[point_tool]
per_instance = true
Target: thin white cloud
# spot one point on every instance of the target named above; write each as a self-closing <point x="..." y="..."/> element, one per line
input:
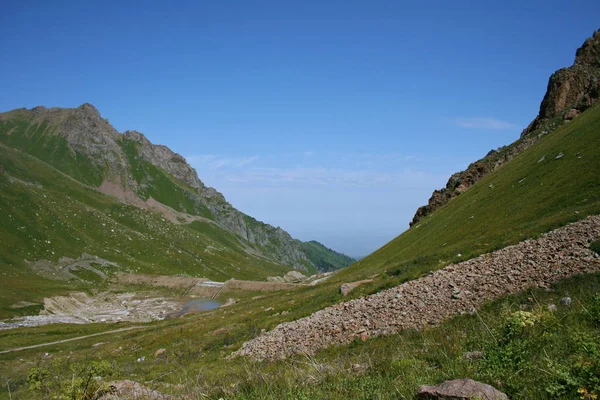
<point x="355" y="171"/>
<point x="213" y="162"/>
<point x="483" y="123"/>
<point x="308" y="153"/>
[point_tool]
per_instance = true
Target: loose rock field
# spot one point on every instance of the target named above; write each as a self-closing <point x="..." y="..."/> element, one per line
<point x="456" y="289"/>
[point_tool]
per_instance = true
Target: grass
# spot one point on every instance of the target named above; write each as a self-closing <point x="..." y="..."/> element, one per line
<point x="41" y="141"/>
<point x="553" y="356"/>
<point x="533" y="193"/>
<point x="49" y="216"/>
<point x="158" y="184"/>
<point x="324" y="258"/>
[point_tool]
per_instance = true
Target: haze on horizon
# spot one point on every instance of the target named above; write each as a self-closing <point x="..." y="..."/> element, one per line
<point x="334" y="120"/>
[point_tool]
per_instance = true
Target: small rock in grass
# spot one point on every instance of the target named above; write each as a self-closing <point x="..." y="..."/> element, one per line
<point x="461" y="389"/>
<point x="473" y="355"/>
<point x="566" y="301"/>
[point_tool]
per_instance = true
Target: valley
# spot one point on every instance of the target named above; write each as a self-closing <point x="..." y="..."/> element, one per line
<point x="121" y="269"/>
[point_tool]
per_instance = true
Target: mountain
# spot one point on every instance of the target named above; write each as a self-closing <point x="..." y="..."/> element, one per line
<point x="73" y="187"/>
<point x="570" y="91"/>
<point x="545" y="179"/>
<point x="324" y="258"/>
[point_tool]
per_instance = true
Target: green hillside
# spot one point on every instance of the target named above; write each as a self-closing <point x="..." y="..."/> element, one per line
<point x="47" y="215"/>
<point x="324" y="258"/>
<point x="552" y="183"/>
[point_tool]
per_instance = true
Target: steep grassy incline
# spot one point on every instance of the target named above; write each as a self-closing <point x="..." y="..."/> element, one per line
<point x="554" y="182"/>
<point x="46" y="215"/>
<point x="324" y="258"/>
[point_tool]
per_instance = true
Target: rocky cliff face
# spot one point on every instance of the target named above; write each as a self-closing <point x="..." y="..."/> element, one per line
<point x="574" y="89"/>
<point x="166" y="159"/>
<point x="92" y="136"/>
<point x="570" y="91"/>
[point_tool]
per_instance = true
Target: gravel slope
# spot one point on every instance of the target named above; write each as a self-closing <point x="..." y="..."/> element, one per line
<point x="428" y="301"/>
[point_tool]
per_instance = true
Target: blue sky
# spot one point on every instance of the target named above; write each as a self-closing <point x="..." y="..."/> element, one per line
<point x="332" y="119"/>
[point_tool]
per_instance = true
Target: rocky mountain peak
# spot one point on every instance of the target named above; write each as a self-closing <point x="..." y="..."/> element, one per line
<point x="89" y="109"/>
<point x="571" y="90"/>
<point x="589" y="53"/>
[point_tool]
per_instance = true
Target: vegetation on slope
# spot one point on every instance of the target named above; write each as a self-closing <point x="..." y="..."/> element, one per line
<point x="324" y="258"/>
<point x="48" y="215"/>
<point x="550" y="184"/>
<point x="158" y="184"/>
<point x="517" y="344"/>
<point x="42" y="141"/>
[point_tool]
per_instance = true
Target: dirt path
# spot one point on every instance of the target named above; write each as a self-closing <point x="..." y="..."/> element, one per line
<point x="428" y="301"/>
<point x="71" y="339"/>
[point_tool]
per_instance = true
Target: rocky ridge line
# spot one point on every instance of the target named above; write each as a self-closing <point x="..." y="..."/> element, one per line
<point x="570" y="91"/>
<point x="428" y="301"/>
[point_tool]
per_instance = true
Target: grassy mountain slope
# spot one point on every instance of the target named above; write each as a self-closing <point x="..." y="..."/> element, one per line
<point x="552" y="183"/>
<point x="47" y="215"/>
<point x="324" y="258"/>
<point x="84" y="146"/>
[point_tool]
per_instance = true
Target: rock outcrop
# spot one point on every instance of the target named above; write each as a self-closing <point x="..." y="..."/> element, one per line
<point x="461" y="389"/>
<point x="428" y="301"/>
<point x="574" y="89"/>
<point x="165" y="158"/>
<point x="570" y="91"/>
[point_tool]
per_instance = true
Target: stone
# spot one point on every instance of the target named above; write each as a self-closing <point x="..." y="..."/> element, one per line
<point x="419" y="303"/>
<point x="159" y="352"/>
<point x="559" y="156"/>
<point x="126" y="389"/>
<point x="565" y="301"/>
<point x="346" y="288"/>
<point x="572" y="114"/>
<point x="461" y="389"/>
<point x="473" y="355"/>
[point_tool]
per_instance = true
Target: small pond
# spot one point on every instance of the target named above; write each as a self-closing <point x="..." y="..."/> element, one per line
<point x="200" y="305"/>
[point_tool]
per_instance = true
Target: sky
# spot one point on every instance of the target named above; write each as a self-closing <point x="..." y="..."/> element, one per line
<point x="334" y="120"/>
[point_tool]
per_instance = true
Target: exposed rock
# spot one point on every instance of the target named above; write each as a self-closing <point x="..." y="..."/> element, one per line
<point x="159" y="352"/>
<point x="473" y="355"/>
<point x="559" y="156"/>
<point x="431" y="300"/>
<point x="565" y="301"/>
<point x="574" y="88"/>
<point x="131" y="390"/>
<point x="572" y="114"/>
<point x="165" y="158"/>
<point x="461" y="389"/>
<point x="290" y="277"/>
<point x="346" y="288"/>
<point x="570" y="91"/>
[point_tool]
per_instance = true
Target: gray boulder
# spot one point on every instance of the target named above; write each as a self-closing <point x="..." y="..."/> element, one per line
<point x="461" y="389"/>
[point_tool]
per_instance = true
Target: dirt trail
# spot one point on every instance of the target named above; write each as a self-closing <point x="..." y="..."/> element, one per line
<point x="456" y="289"/>
<point x="71" y="339"/>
